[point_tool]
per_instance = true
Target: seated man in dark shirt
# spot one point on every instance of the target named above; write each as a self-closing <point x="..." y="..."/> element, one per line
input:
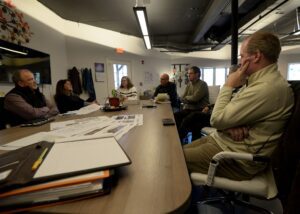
<point x="167" y="87"/>
<point x="25" y="102"/>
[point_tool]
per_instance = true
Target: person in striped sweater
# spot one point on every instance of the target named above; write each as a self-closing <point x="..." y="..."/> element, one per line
<point x="127" y="91"/>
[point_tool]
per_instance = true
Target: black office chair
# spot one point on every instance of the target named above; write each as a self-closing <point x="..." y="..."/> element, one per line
<point x="2" y="114"/>
<point x="266" y="184"/>
<point x="286" y="159"/>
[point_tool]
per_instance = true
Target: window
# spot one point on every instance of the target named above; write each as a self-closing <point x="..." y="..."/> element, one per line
<point x="208" y="76"/>
<point x="220" y="76"/>
<point x="214" y="76"/>
<point x="120" y="70"/>
<point x="293" y="71"/>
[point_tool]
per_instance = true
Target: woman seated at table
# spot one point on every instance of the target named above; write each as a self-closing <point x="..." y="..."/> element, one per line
<point x="65" y="99"/>
<point x="127" y="91"/>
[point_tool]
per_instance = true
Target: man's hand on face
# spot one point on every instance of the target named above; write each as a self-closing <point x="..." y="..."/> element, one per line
<point x="239" y="77"/>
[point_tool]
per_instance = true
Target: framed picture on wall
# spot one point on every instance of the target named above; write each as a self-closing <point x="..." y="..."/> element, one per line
<point x="99" y="72"/>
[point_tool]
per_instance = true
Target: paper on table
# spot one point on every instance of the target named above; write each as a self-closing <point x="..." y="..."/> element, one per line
<point x="82" y="155"/>
<point x="78" y="129"/>
<point x="31" y="139"/>
<point x="59" y="125"/>
<point x="136" y="119"/>
<point x="8" y="148"/>
<point x="88" y="109"/>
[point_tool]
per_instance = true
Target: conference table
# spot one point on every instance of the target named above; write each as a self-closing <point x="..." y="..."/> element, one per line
<point x="157" y="180"/>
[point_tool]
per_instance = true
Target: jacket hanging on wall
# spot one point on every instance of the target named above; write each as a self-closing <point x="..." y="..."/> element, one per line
<point x="88" y="84"/>
<point x="73" y="76"/>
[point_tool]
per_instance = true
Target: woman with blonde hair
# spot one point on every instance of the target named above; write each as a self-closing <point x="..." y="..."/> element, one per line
<point x="127" y="91"/>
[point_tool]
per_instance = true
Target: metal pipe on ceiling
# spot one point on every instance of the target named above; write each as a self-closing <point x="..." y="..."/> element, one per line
<point x="234" y="31"/>
<point x="210" y="18"/>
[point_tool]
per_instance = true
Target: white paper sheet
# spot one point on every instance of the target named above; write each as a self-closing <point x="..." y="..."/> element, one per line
<point x="88" y="109"/>
<point x="29" y="140"/>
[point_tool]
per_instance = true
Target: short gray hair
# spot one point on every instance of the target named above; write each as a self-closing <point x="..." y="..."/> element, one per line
<point x="17" y="76"/>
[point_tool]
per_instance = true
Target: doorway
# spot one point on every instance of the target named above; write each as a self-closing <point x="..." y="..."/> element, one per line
<point x="116" y="70"/>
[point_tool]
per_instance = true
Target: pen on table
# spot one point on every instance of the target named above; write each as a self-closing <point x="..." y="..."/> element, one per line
<point x="39" y="160"/>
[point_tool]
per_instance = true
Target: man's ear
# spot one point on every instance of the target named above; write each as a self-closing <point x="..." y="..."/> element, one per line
<point x="20" y="83"/>
<point x="257" y="56"/>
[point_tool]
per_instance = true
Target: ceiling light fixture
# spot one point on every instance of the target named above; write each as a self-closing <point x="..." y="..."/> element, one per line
<point x="141" y="15"/>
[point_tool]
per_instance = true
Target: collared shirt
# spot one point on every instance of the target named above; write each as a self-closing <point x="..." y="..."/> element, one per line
<point x="264" y="105"/>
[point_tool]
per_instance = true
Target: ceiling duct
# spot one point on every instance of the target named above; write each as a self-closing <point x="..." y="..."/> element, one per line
<point x="210" y="18"/>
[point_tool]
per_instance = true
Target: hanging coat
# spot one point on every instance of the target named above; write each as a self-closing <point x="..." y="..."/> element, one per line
<point x="88" y="84"/>
<point x="73" y="76"/>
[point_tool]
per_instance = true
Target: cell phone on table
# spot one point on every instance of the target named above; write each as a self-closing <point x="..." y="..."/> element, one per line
<point x="168" y="122"/>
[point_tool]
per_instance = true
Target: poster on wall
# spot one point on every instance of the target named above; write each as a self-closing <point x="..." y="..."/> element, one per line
<point x="99" y="72"/>
<point x="148" y="77"/>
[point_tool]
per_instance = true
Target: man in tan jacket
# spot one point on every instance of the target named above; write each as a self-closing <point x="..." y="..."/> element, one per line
<point x="254" y="119"/>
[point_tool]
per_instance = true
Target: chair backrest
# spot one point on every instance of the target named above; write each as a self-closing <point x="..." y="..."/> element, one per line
<point x="286" y="157"/>
<point x="2" y="114"/>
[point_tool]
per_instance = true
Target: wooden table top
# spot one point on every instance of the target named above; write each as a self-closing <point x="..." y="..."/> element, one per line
<point x="157" y="181"/>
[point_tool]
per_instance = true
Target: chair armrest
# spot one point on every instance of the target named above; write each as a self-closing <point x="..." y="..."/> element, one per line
<point x="230" y="155"/>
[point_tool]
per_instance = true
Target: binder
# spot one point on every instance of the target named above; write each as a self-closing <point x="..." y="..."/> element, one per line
<point x="90" y="177"/>
<point x="59" y="191"/>
<point x="65" y="158"/>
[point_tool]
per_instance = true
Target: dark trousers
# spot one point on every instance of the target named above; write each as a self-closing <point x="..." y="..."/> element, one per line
<point x="180" y="115"/>
<point x="194" y="122"/>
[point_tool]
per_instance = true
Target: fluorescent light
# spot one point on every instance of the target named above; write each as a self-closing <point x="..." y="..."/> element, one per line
<point x="11" y="50"/>
<point x="147" y="42"/>
<point x="142" y="21"/>
<point x="141" y="16"/>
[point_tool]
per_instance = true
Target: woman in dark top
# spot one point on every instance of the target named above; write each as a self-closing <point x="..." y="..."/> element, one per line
<point x="65" y="99"/>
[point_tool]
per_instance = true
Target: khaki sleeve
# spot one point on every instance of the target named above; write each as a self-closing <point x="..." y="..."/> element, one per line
<point x="248" y="106"/>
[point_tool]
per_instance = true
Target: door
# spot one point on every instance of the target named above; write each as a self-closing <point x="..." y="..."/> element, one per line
<point x="116" y="70"/>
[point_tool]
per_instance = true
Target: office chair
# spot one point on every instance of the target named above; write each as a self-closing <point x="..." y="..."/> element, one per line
<point x="263" y="185"/>
<point x="2" y="114"/>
